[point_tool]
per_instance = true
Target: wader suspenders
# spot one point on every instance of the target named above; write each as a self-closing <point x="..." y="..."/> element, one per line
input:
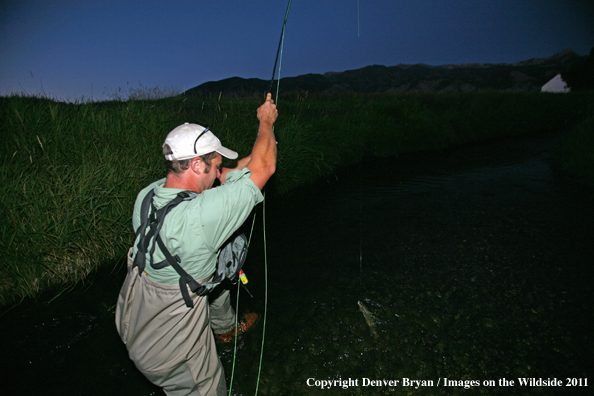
<point x="154" y="222"/>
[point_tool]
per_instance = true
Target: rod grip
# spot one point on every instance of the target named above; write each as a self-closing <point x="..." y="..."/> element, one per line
<point x="268" y="96"/>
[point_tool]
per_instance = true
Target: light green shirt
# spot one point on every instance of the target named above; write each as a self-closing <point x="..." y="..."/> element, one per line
<point x="196" y="229"/>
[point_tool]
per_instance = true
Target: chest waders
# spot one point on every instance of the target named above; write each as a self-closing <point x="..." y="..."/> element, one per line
<point x="230" y="261"/>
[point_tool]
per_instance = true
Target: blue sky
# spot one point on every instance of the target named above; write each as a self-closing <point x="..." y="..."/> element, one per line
<point x="88" y="49"/>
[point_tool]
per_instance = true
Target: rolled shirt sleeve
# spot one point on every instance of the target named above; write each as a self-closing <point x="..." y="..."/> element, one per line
<point x="225" y="208"/>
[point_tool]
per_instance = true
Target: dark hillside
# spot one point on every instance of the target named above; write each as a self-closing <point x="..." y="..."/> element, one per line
<point x="525" y="76"/>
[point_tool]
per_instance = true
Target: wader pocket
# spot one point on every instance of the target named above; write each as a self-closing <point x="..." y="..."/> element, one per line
<point x="125" y="298"/>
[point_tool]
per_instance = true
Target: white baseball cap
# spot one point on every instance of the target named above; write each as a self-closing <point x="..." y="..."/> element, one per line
<point x="193" y="140"/>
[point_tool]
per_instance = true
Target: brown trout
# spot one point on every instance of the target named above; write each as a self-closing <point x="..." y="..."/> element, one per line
<point x="368" y="318"/>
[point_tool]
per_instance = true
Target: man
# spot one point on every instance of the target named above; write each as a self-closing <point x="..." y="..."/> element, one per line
<point x="166" y="327"/>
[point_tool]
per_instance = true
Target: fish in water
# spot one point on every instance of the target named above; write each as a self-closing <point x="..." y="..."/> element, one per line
<point x="368" y="318"/>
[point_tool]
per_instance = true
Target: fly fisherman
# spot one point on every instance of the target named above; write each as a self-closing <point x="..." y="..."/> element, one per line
<point x="162" y="315"/>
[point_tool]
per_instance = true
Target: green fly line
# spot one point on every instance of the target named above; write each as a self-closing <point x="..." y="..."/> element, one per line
<point x="279" y="60"/>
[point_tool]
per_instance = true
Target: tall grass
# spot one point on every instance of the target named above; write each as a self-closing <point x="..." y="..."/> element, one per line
<point x="71" y="171"/>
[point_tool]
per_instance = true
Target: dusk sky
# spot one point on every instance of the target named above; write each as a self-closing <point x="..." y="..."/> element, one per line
<point x="78" y="49"/>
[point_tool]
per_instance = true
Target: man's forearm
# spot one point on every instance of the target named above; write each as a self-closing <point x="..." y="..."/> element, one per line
<point x="265" y="146"/>
<point x="263" y="161"/>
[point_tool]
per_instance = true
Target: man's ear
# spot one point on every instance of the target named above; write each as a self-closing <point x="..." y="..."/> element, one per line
<point x="195" y="165"/>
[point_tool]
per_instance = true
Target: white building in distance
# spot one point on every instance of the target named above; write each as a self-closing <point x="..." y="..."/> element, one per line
<point x="556" y="84"/>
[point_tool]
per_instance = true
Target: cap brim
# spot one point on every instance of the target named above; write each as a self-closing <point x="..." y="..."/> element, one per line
<point x="225" y="152"/>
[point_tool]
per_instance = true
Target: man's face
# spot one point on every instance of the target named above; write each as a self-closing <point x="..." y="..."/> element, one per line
<point x="208" y="179"/>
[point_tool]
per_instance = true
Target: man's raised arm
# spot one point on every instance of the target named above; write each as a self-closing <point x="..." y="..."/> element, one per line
<point x="263" y="158"/>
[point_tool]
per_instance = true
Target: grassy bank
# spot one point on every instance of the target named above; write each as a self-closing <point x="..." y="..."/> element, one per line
<point x="71" y="171"/>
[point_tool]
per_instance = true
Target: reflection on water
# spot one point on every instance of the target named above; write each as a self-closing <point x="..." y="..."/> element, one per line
<point x="475" y="264"/>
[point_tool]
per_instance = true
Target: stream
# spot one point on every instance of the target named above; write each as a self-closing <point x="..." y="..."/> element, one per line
<point x="474" y="264"/>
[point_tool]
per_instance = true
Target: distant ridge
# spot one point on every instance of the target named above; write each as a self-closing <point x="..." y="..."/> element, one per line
<point x="529" y="76"/>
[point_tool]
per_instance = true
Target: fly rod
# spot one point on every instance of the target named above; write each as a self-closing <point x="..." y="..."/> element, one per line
<point x="279" y="51"/>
